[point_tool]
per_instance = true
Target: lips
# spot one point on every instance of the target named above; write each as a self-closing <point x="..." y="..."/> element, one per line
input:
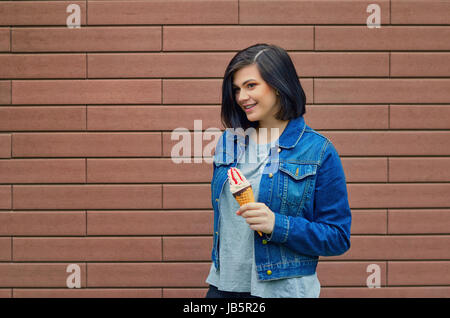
<point x="249" y="107"/>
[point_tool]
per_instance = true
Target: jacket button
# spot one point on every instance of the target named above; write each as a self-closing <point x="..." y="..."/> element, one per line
<point x="279" y="149"/>
<point x="269" y="272"/>
<point x="264" y="242"/>
<point x="270" y="175"/>
<point x="217" y="200"/>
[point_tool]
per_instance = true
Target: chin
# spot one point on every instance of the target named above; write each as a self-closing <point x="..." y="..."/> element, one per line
<point x="253" y="117"/>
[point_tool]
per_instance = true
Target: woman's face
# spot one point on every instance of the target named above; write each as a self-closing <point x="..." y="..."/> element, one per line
<point x="250" y="88"/>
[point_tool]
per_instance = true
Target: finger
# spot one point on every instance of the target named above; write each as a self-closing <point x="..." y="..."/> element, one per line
<point x="250" y="206"/>
<point x="252" y="213"/>
<point x="257" y="227"/>
<point x="255" y="220"/>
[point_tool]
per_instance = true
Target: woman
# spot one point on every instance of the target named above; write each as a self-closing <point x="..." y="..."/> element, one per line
<point x="301" y="208"/>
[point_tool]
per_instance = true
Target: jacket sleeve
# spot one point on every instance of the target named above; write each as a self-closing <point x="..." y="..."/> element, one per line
<point x="329" y="233"/>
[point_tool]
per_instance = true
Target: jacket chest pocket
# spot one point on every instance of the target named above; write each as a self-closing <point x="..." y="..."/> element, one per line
<point x="295" y="186"/>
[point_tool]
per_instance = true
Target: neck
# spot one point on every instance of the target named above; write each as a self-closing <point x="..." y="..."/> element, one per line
<point x="280" y="124"/>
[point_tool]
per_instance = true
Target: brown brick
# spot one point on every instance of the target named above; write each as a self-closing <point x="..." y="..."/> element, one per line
<point x="418" y="221"/>
<point x="421" y="64"/>
<point x="419" y="273"/>
<point x="162" y="12"/>
<point x="381" y="90"/>
<point x="38" y="12"/>
<point x="308" y="12"/>
<point x="149" y="222"/>
<point x="86" y="39"/>
<point x="43" y="118"/>
<point x="88" y="293"/>
<point x="147" y="274"/>
<point x="419" y="116"/>
<point x="86" y="144"/>
<point x="5" y="247"/>
<point x="347" y="117"/>
<point x="153" y="117"/>
<point x="86" y="91"/>
<point x="43" y="170"/>
<point x="5" y="197"/>
<point x="178" y="64"/>
<point x="38" y="274"/>
<point x="87" y="197"/>
<point x="201" y="91"/>
<point x="4" y="40"/>
<point x="365" y="169"/>
<point x="385" y="38"/>
<point x="43" y="65"/>
<point x="192" y="196"/>
<point x="187" y="248"/>
<point x="5" y="92"/>
<point x="87" y="249"/>
<point x="53" y="223"/>
<point x="146" y="170"/>
<point x="369" y="222"/>
<point x="418" y="169"/>
<point x="420" y="12"/>
<point x="5" y="146"/>
<point x="227" y="38"/>
<point x="420" y="195"/>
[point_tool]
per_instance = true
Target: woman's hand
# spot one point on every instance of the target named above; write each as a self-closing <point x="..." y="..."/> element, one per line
<point x="258" y="216"/>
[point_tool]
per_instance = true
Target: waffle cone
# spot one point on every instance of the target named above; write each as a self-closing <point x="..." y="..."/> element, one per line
<point x="244" y="196"/>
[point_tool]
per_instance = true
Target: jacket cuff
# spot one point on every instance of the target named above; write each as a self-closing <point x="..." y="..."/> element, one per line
<point x="280" y="230"/>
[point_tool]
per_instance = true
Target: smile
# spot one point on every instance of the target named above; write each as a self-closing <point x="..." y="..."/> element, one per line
<point x="249" y="107"/>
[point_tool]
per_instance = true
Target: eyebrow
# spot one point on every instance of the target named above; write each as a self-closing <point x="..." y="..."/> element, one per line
<point x="251" y="79"/>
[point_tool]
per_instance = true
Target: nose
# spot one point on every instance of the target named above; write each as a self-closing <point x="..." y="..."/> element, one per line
<point x="242" y="96"/>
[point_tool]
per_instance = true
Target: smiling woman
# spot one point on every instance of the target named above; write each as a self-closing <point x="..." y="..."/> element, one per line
<point x="300" y="203"/>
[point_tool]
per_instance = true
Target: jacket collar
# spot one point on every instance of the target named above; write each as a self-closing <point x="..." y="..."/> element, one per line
<point x="292" y="133"/>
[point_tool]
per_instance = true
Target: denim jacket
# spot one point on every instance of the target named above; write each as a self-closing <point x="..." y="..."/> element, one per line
<point x="304" y="185"/>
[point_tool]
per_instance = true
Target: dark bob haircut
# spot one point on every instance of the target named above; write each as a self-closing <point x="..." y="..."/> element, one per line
<point x="277" y="69"/>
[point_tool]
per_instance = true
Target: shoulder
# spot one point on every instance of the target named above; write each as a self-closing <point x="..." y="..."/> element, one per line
<point x="316" y="135"/>
<point x="324" y="144"/>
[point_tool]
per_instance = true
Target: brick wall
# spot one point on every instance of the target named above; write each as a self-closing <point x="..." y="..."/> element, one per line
<point x="86" y="117"/>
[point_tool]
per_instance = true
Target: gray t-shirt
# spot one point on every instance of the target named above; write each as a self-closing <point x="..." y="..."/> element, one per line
<point x="236" y="246"/>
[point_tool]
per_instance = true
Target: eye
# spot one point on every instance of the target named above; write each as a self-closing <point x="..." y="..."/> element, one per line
<point x="235" y="89"/>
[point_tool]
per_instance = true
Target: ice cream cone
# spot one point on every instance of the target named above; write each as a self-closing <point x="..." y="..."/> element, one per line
<point x="241" y="188"/>
<point x="244" y="196"/>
